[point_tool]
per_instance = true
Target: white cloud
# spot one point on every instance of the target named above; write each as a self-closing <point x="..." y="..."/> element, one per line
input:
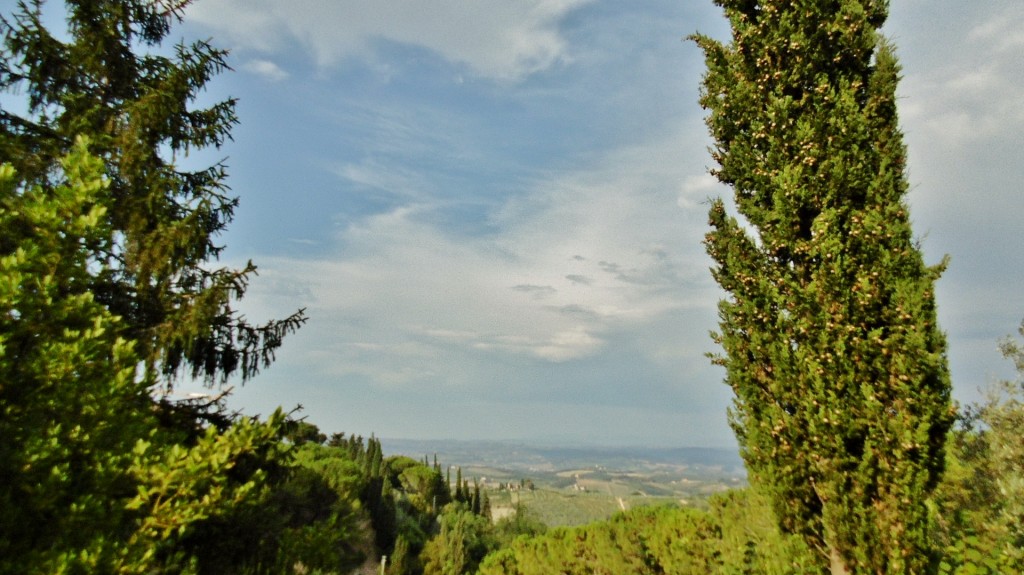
<point x="266" y="69"/>
<point x="697" y="189"/>
<point x="580" y="261"/>
<point x="376" y="177"/>
<point x="1003" y="31"/>
<point x="978" y="95"/>
<point x="494" y="38"/>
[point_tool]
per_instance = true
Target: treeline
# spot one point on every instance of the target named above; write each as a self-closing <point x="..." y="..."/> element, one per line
<point x="737" y="534"/>
<point x="351" y="504"/>
<point x="976" y="516"/>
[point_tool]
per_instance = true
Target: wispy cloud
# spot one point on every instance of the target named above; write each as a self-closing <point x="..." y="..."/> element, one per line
<point x="542" y="286"/>
<point x="529" y="246"/>
<point x="980" y="94"/>
<point x="538" y="292"/>
<point x="493" y="38"/>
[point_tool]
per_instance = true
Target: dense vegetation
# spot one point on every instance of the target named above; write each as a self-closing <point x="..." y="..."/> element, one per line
<point x="109" y="290"/>
<point x="975" y="516"/>
<point x="736" y="535"/>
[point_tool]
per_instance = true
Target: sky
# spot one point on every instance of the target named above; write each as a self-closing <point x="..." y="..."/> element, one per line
<point x="492" y="210"/>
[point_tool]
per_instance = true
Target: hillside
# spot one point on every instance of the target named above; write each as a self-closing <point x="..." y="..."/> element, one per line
<point x="577" y="485"/>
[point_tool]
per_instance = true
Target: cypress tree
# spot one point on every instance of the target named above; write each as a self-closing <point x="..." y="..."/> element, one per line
<point x="829" y="331"/>
<point x="440" y="491"/>
<point x="485" y="506"/>
<point x="376" y="457"/>
<point x="475" y="503"/>
<point x="355" y="448"/>
<point x="402" y="558"/>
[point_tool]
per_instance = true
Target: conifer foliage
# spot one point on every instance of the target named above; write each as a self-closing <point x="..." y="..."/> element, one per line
<point x="110" y="81"/>
<point x="829" y="326"/>
<point x="109" y="290"/>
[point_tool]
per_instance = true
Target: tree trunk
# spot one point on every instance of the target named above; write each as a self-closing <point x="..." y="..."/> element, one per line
<point x="837" y="564"/>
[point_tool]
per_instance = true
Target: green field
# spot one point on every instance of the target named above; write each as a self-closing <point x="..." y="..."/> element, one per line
<point x="559" y="508"/>
<point x="575" y="486"/>
<point x="580" y="496"/>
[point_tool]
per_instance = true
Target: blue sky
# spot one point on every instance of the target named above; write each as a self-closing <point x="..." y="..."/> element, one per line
<point x="493" y="210"/>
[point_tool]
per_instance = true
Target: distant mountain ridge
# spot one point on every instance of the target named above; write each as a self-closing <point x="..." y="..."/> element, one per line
<point x="514" y="455"/>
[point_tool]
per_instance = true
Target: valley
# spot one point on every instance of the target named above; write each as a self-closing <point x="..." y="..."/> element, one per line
<point x="564" y="486"/>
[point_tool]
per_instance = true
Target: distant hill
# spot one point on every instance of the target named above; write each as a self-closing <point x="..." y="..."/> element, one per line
<point x="515" y="456"/>
<point x="578" y="485"/>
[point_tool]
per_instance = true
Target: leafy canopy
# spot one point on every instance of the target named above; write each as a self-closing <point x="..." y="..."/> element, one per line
<point x="109" y="288"/>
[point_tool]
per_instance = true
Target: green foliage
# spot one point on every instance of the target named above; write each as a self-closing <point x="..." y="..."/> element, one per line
<point x="402" y="561"/>
<point x="72" y="404"/>
<point x="102" y="80"/>
<point x="402" y="500"/>
<point x="979" y="506"/>
<point x="206" y="505"/>
<point x="463" y="540"/>
<point x="300" y="432"/>
<point x="422" y="488"/>
<point x="326" y="519"/>
<point x="107" y="293"/>
<point x="342" y="474"/>
<point x="559" y="508"/>
<point x="737" y="536"/>
<point x="830" y="336"/>
<point x="749" y="540"/>
<point x="521" y="522"/>
<point x="93" y="482"/>
<point x="350" y="468"/>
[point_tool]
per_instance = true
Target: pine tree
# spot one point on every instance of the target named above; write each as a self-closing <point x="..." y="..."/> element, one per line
<point x="829" y="330"/>
<point x="136" y="107"/>
<point x="131" y="484"/>
<point x="336" y="440"/>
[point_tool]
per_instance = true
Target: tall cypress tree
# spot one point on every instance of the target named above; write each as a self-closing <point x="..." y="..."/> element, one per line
<point x="475" y="502"/>
<point x="829" y="329"/>
<point x="375" y="457"/>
